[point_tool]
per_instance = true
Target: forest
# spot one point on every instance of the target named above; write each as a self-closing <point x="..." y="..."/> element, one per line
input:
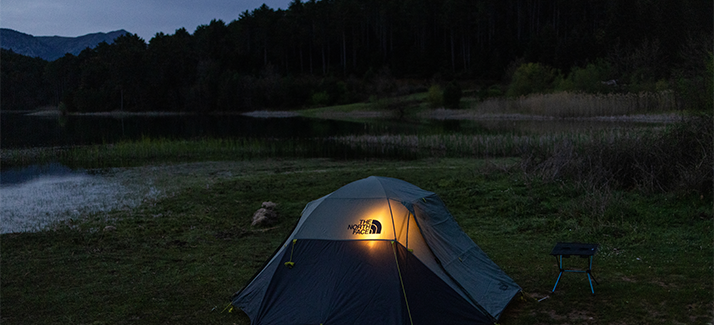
<point x="330" y="52"/>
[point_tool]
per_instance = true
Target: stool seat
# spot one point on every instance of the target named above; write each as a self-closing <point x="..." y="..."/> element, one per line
<point x="584" y="250"/>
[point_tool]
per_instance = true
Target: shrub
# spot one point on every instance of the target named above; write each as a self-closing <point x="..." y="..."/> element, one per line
<point x="490" y="92"/>
<point x="435" y="96"/>
<point x="694" y="89"/>
<point x="320" y="98"/>
<point x="589" y="79"/>
<point x="452" y="95"/>
<point x="532" y="78"/>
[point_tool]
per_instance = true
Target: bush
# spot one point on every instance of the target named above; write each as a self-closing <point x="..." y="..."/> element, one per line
<point x="694" y="89"/>
<point x="435" y="96"/>
<point x="533" y="78"/>
<point x="320" y="98"/>
<point x="452" y="95"/>
<point x="490" y="92"/>
<point x="589" y="79"/>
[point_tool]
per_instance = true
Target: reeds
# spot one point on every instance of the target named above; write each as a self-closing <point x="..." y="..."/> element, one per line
<point x="482" y="145"/>
<point x="574" y="105"/>
<point x="148" y="150"/>
<point x="678" y="157"/>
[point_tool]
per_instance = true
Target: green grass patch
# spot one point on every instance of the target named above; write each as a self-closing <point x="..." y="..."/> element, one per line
<point x="375" y="108"/>
<point x="179" y="258"/>
<point x="319" y="111"/>
<point x="153" y="151"/>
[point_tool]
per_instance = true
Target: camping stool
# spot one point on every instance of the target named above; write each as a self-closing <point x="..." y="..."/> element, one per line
<point x="580" y="249"/>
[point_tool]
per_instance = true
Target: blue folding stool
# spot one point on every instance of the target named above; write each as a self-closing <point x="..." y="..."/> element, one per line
<point x="580" y="249"/>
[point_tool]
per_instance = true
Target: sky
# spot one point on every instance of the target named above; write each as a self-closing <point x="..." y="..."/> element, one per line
<point x="73" y="18"/>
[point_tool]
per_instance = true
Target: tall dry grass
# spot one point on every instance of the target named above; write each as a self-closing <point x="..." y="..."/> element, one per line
<point x="680" y="157"/>
<point x="677" y="157"/>
<point x="484" y="145"/>
<point x="573" y="105"/>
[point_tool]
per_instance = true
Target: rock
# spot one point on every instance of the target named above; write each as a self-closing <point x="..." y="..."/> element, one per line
<point x="266" y="215"/>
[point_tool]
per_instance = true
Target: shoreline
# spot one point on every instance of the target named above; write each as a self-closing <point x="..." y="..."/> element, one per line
<point x="431" y="114"/>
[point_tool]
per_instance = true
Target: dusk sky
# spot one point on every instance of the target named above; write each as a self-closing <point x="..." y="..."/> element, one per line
<point x="143" y="17"/>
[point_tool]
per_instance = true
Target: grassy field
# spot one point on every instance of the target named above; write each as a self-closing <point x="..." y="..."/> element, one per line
<point x="179" y="258"/>
<point x="643" y="195"/>
<point x="579" y="105"/>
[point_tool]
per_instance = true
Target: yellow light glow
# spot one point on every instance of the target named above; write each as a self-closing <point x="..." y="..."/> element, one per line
<point x="369" y="244"/>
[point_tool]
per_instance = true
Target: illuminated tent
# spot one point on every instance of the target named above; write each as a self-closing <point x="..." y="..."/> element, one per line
<point x="377" y="251"/>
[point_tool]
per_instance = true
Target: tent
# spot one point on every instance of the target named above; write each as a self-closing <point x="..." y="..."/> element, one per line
<point x="377" y="251"/>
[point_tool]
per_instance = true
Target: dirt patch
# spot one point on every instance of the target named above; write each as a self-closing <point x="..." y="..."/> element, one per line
<point x="574" y="315"/>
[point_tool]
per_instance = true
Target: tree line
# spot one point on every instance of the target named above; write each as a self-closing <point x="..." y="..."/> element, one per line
<point x="340" y="51"/>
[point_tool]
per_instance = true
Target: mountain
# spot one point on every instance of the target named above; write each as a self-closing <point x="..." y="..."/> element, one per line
<point x="52" y="47"/>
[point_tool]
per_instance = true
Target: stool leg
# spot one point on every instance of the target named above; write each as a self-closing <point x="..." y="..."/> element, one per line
<point x="590" y="277"/>
<point x="556" y="281"/>
<point x="590" y="269"/>
<point x="558" y="259"/>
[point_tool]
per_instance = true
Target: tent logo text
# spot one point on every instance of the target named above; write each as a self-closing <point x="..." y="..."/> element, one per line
<point x="366" y="227"/>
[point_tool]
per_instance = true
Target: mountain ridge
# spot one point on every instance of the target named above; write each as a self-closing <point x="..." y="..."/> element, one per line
<point x="51" y="48"/>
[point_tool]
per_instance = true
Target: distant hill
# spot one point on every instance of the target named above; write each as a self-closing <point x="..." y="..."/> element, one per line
<point x="52" y="47"/>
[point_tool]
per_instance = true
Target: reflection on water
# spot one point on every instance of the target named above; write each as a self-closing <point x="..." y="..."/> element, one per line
<point x="23" y="131"/>
<point x="21" y="175"/>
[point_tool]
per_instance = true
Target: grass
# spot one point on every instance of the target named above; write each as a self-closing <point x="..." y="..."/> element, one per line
<point x="569" y="105"/>
<point x="654" y="159"/>
<point x="179" y="258"/>
<point x="555" y="105"/>
<point x="148" y="150"/>
<point x="482" y="145"/>
<point x="676" y="157"/>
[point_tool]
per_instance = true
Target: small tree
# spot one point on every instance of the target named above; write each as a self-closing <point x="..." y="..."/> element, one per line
<point x="589" y="79"/>
<point x="435" y="96"/>
<point x="532" y="78"/>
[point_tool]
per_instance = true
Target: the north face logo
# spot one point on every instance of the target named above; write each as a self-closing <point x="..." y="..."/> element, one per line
<point x="366" y="227"/>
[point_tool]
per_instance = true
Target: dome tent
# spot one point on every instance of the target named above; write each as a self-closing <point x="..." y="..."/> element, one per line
<point x="377" y="251"/>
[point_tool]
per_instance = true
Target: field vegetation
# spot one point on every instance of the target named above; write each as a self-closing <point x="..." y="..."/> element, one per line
<point x="645" y="195"/>
<point x="179" y="258"/>
<point x="582" y="105"/>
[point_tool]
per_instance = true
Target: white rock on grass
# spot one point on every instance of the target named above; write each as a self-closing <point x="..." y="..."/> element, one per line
<point x="266" y="215"/>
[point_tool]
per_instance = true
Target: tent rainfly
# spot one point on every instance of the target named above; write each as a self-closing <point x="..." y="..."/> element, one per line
<point x="377" y="251"/>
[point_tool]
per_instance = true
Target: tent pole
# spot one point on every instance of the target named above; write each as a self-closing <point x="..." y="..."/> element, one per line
<point x="401" y="281"/>
<point x="409" y="215"/>
<point x="391" y="215"/>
